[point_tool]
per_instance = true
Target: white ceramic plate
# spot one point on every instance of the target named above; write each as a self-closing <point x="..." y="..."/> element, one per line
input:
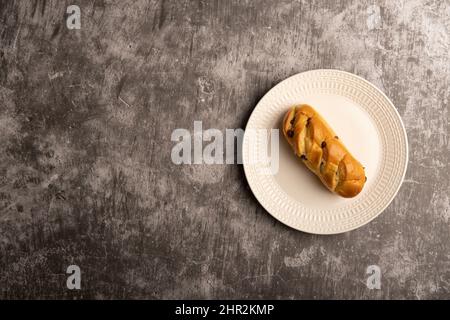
<point x="368" y="124"/>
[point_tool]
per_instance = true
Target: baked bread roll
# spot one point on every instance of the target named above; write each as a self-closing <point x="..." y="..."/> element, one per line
<point x="322" y="152"/>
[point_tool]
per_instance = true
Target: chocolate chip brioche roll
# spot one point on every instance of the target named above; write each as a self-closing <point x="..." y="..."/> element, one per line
<point x="320" y="149"/>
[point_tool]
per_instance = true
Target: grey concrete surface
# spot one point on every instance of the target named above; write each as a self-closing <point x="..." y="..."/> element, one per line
<point x="86" y="177"/>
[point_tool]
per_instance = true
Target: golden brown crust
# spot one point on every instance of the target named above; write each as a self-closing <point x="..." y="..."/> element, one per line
<point x="313" y="140"/>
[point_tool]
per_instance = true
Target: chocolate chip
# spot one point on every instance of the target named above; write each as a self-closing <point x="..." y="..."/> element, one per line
<point x="290" y="133"/>
<point x="307" y="121"/>
<point x="303" y="157"/>
<point x="365" y="180"/>
<point x="324" y="144"/>
<point x="336" y="137"/>
<point x="293" y="120"/>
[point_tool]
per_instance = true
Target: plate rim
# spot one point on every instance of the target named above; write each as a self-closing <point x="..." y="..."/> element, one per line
<point x="403" y="129"/>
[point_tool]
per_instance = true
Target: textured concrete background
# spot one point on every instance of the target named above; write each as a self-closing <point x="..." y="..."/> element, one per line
<point x="85" y="172"/>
